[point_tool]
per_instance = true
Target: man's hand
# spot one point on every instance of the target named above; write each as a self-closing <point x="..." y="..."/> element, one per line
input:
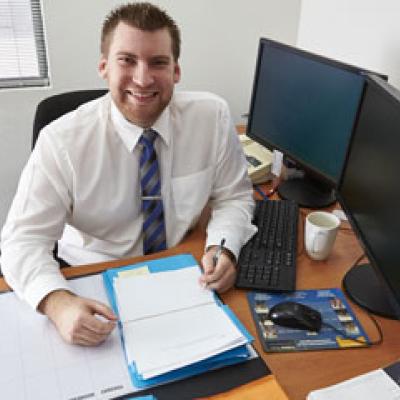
<point x="75" y="317"/>
<point x="223" y="275"/>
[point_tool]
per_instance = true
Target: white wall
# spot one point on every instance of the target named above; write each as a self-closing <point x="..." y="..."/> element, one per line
<point x="220" y="39"/>
<point x="361" y="32"/>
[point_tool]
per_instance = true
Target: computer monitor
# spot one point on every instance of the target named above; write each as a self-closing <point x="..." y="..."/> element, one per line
<point x="305" y="106"/>
<point x="369" y="193"/>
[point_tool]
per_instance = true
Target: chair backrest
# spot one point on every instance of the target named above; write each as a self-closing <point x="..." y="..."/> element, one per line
<point x="55" y="106"/>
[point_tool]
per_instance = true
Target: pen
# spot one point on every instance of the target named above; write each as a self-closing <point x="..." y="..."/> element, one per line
<point x="218" y="253"/>
<point x="215" y="259"/>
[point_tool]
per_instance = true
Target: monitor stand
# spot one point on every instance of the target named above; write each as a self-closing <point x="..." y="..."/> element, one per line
<point x="363" y="287"/>
<point x="307" y="192"/>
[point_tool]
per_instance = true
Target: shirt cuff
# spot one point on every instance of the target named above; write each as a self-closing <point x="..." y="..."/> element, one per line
<point x="232" y="243"/>
<point x="41" y="286"/>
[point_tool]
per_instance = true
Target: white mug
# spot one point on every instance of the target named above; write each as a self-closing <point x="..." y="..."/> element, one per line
<point x="320" y="234"/>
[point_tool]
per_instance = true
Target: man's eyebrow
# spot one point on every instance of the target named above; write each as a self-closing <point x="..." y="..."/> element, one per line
<point x="156" y="56"/>
<point x="126" y="53"/>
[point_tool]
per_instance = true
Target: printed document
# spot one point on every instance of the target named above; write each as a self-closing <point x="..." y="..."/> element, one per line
<point x="35" y="363"/>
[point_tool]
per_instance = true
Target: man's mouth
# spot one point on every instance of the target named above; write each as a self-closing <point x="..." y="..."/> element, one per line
<point x="142" y="96"/>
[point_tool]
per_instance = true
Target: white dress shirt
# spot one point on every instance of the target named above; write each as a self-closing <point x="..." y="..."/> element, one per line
<point x="81" y="184"/>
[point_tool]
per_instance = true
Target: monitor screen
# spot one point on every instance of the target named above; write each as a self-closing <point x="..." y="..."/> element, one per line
<point x="369" y="192"/>
<point x="305" y="106"/>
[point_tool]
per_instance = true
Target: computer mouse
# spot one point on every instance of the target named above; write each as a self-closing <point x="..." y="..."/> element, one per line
<point x="295" y="315"/>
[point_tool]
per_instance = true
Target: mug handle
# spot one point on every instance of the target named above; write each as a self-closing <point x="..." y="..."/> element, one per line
<point x="314" y="246"/>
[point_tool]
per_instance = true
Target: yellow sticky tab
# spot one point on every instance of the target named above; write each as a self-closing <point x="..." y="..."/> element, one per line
<point x="134" y="272"/>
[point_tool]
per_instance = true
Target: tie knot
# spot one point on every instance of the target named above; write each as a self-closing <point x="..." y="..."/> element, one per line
<point x="148" y="136"/>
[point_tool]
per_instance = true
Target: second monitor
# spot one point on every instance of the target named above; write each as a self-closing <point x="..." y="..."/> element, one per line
<point x="305" y="106"/>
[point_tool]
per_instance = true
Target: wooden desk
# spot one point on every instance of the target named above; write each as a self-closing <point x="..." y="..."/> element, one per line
<point x="298" y="373"/>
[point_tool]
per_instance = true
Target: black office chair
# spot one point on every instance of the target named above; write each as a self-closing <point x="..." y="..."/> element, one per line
<point x="55" y="106"/>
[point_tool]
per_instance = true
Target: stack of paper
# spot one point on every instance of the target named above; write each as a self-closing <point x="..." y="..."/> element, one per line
<point x="169" y="321"/>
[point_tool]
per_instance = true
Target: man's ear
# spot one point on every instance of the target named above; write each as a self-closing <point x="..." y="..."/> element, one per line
<point x="103" y="67"/>
<point x="177" y="73"/>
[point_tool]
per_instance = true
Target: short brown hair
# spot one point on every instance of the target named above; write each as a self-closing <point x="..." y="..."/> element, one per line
<point x="143" y="16"/>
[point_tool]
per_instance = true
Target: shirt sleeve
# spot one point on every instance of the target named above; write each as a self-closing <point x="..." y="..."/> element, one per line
<point x="232" y="201"/>
<point x="35" y="222"/>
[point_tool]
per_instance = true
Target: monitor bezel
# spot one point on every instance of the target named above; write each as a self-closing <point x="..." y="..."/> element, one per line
<point x="390" y="292"/>
<point x="308" y="168"/>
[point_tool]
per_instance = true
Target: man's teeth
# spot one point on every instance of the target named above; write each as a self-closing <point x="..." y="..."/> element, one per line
<point x="143" y="95"/>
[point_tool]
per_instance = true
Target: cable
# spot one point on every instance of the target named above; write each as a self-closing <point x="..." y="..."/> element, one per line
<point x="378" y="328"/>
<point x="357" y="260"/>
<point x="372" y="318"/>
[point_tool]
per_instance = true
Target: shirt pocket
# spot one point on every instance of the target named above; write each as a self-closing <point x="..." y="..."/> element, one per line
<point x="190" y="194"/>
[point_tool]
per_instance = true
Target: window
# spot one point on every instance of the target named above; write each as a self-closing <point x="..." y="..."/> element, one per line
<point x="23" y="60"/>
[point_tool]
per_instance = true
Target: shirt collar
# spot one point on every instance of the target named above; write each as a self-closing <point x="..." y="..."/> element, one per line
<point x="130" y="133"/>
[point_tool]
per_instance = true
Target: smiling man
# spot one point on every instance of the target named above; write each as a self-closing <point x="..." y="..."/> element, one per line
<point x="127" y="174"/>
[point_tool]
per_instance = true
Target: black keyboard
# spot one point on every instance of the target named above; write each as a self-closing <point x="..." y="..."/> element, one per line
<point x="268" y="260"/>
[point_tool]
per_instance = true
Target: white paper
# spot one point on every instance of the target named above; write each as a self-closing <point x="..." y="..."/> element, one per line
<point x="149" y="295"/>
<point x="35" y="363"/>
<point x="370" y="386"/>
<point x="178" y="339"/>
<point x="169" y="321"/>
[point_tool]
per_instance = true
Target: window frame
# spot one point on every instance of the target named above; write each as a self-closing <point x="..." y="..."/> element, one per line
<point x="42" y="79"/>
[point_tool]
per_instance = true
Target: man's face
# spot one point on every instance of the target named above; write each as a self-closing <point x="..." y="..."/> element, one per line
<point x="141" y="72"/>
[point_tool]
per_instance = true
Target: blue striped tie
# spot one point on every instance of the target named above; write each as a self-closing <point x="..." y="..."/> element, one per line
<point x="154" y="238"/>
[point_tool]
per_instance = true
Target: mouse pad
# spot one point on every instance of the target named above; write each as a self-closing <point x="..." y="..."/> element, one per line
<point x="334" y="309"/>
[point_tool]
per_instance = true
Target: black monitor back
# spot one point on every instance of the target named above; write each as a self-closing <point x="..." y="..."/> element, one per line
<point x="369" y="192"/>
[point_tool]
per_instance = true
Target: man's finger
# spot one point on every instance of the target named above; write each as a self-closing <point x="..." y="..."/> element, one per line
<point x="84" y="334"/>
<point x="217" y="285"/>
<point x="93" y="324"/>
<point x="222" y="280"/>
<point x="217" y="279"/>
<point x="207" y="263"/>
<point x="85" y="339"/>
<point x="102" y="309"/>
<point x="224" y="265"/>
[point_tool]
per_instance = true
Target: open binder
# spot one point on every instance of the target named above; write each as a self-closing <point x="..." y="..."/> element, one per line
<point x="235" y="355"/>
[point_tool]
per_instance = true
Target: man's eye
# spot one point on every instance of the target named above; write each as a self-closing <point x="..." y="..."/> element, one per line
<point x="126" y="60"/>
<point x="160" y="63"/>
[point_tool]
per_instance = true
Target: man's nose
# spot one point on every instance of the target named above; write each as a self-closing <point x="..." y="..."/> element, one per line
<point x="142" y="75"/>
